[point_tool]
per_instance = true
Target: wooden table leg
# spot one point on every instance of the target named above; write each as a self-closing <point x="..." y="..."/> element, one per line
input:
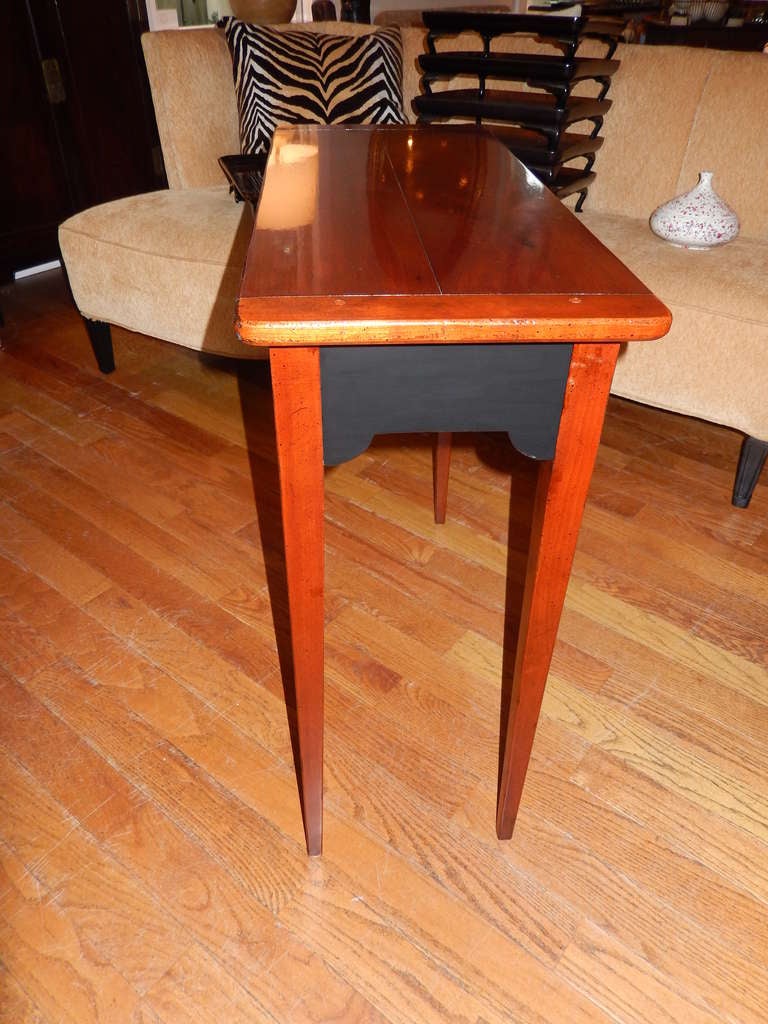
<point x="441" y="466"/>
<point x="298" y="426"/>
<point x="558" y="508"/>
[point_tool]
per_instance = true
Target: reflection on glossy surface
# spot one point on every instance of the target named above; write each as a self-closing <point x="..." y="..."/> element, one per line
<point x="291" y="199"/>
<point x="442" y="176"/>
<point x="430" y="235"/>
<point x="438" y="224"/>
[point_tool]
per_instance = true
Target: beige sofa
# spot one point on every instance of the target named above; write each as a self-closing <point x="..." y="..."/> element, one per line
<point x="168" y="264"/>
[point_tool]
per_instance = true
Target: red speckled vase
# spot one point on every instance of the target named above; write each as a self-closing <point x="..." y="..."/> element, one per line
<point x="697" y="220"/>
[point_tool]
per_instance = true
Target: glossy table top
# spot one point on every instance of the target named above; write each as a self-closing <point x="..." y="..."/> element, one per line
<point x="371" y="235"/>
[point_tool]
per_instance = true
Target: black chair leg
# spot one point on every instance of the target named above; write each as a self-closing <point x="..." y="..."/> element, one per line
<point x="751" y="461"/>
<point x="100" y="336"/>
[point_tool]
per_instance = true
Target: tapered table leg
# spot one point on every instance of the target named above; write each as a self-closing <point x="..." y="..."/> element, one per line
<point x="441" y="466"/>
<point x="298" y="426"/>
<point x="558" y="508"/>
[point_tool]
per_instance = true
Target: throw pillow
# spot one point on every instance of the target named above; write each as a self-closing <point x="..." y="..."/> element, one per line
<point x="297" y="77"/>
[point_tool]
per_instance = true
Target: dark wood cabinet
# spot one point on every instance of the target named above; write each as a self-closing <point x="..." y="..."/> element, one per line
<point x="76" y="115"/>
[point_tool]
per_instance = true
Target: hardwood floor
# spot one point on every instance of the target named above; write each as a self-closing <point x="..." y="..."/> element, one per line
<point x="151" y="848"/>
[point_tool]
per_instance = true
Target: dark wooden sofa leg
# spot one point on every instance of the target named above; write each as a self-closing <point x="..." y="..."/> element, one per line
<point x="100" y="335"/>
<point x="751" y="461"/>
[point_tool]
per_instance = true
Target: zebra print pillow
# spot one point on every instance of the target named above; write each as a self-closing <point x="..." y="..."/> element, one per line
<point x="298" y="77"/>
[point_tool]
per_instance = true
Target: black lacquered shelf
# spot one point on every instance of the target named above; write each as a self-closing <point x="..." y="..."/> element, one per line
<point x="245" y="174"/>
<point x="566" y="29"/>
<point x="546" y="156"/>
<point x="533" y="124"/>
<point x="571" y="180"/>
<point x="533" y="147"/>
<point x="537" y="69"/>
<point x="524" y="108"/>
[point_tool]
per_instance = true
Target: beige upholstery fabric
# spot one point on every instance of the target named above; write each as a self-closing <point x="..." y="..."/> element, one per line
<point x="730" y="137"/>
<point x="708" y="366"/>
<point x="191" y="77"/>
<point x="167" y="264"/>
<point x="655" y="96"/>
<point x="732" y="280"/>
<point x="711" y="363"/>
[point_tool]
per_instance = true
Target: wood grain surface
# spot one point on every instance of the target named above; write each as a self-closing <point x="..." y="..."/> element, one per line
<point x="561" y="493"/>
<point x="299" y="441"/>
<point x="435" y="235"/>
<point x="152" y="860"/>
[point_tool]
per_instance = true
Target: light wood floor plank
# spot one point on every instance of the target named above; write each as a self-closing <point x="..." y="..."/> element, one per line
<point x="92" y="468"/>
<point x="24" y="542"/>
<point x="645" y="922"/>
<point x="187" y="882"/>
<point x="18" y="1006"/>
<point x="733" y="791"/>
<point x="90" y="916"/>
<point x="623" y="985"/>
<point x="700" y="833"/>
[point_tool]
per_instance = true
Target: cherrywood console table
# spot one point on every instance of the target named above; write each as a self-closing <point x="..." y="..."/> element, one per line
<point x="420" y="279"/>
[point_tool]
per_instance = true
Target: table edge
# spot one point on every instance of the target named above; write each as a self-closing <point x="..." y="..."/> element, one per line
<point x="360" y="320"/>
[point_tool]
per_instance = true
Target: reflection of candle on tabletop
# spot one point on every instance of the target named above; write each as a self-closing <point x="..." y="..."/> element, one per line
<point x="290" y="198"/>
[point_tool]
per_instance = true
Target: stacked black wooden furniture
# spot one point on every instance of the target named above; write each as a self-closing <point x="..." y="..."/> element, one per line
<point x="536" y="125"/>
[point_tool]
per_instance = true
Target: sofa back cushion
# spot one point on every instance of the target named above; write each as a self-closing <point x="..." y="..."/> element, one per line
<point x="190" y="74"/>
<point x="655" y="94"/>
<point x="730" y="138"/>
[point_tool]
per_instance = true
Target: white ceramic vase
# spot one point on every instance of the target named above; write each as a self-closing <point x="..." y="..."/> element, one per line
<point x="697" y="220"/>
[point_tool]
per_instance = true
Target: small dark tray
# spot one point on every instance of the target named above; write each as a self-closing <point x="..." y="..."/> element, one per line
<point x="571" y="180"/>
<point x="607" y="30"/>
<point x="565" y="29"/>
<point x="533" y="68"/>
<point x="535" y="151"/>
<point x="245" y="175"/>
<point x="524" y="108"/>
<point x="552" y="177"/>
<point x="567" y="32"/>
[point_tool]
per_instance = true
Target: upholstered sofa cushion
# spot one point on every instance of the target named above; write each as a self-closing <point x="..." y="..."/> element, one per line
<point x="298" y="77"/>
<point x="730" y="280"/>
<point x="167" y="264"/>
<point x="719" y="305"/>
